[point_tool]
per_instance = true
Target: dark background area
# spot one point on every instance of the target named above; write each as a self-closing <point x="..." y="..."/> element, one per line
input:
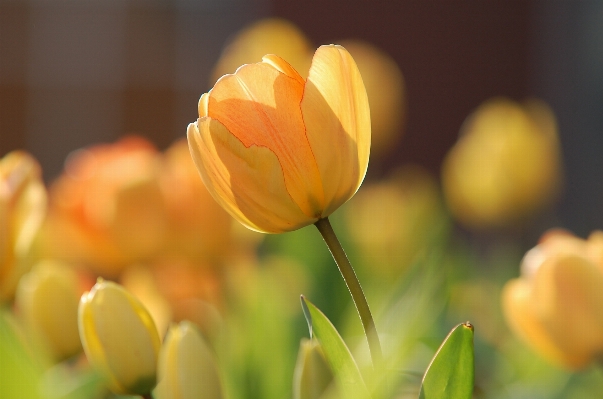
<point x="73" y="74"/>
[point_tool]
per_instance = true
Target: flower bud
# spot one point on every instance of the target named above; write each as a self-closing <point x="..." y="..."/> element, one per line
<point x="119" y="337"/>
<point x="312" y="374"/>
<point x="556" y="306"/>
<point x="47" y="298"/>
<point x="187" y="369"/>
<point x="22" y="209"/>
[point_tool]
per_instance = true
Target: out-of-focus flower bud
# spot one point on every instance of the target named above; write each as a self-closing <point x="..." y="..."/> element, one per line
<point x="120" y="338"/>
<point x="267" y="36"/>
<point x="505" y="165"/>
<point x="187" y="368"/>
<point x="47" y="298"/>
<point x="393" y="221"/>
<point x="22" y="210"/>
<point x="556" y="305"/>
<point x="386" y="93"/>
<point x="312" y="375"/>
<point x="107" y="209"/>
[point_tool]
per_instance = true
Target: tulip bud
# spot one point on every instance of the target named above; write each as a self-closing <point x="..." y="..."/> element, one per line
<point x="47" y="298"/>
<point x="505" y="166"/>
<point x="312" y="374"/>
<point x="120" y="338"/>
<point x="22" y="209"/>
<point x="187" y="369"/>
<point x="556" y="306"/>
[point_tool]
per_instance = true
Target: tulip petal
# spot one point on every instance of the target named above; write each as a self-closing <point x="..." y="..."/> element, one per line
<point x="337" y="117"/>
<point x="259" y="105"/>
<point x="518" y="310"/>
<point x="567" y="290"/>
<point x="247" y="181"/>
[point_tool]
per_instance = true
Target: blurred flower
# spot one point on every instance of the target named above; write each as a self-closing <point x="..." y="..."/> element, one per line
<point x="198" y="228"/>
<point x="505" y="165"/>
<point x="267" y="36"/>
<point x="107" y="208"/>
<point x="22" y="210"/>
<point x="385" y="89"/>
<point x="393" y="221"/>
<point x="47" y="298"/>
<point x="312" y="374"/>
<point x="187" y="368"/>
<point x="556" y="305"/>
<point x="119" y="337"/>
<point x="277" y="152"/>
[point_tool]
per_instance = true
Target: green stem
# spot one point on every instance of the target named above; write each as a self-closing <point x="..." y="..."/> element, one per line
<point x="347" y="271"/>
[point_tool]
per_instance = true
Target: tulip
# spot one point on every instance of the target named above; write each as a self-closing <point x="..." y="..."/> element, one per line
<point x="106" y="208"/>
<point x="187" y="368"/>
<point x="47" y="298"/>
<point x="22" y="210"/>
<point x="505" y="165"/>
<point x="119" y="338"/>
<point x="279" y="152"/>
<point x="556" y="306"/>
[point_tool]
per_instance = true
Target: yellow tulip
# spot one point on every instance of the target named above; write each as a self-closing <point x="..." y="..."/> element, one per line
<point x="47" y="298"/>
<point x="119" y="337"/>
<point x="22" y="210"/>
<point x="505" y="165"/>
<point x="279" y="152"/>
<point x="187" y="368"/>
<point x="556" y="306"/>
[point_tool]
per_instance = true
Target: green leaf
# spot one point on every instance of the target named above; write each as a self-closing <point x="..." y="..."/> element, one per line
<point x="450" y="373"/>
<point x="339" y="357"/>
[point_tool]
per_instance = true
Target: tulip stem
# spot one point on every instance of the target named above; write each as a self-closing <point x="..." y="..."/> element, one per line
<point x="351" y="280"/>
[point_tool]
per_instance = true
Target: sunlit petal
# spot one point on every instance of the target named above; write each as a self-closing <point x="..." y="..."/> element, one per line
<point x="233" y="173"/>
<point x="259" y="105"/>
<point x="336" y="113"/>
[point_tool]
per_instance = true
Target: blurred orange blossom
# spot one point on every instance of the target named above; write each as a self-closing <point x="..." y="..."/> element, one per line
<point x="279" y="152"/>
<point x="107" y="209"/>
<point x="556" y="305"/>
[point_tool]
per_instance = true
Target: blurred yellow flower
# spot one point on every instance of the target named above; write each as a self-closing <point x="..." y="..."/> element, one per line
<point x="279" y="152"/>
<point x="556" y="305"/>
<point x="266" y="36"/>
<point x="120" y="338"/>
<point x="187" y="368"/>
<point x="386" y="93"/>
<point x="107" y="209"/>
<point x="391" y="222"/>
<point x="505" y="165"/>
<point x="22" y="209"/>
<point x="47" y="299"/>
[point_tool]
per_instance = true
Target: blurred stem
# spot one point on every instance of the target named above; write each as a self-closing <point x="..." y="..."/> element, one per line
<point x="147" y="396"/>
<point x="347" y="271"/>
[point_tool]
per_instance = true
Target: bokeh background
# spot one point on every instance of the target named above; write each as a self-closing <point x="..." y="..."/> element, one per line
<point x="75" y="73"/>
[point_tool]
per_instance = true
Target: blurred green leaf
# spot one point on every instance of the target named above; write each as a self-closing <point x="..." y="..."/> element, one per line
<point x="338" y="355"/>
<point x="450" y="374"/>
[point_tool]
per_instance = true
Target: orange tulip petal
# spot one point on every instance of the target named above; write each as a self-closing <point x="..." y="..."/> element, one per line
<point x="259" y="105"/>
<point x="247" y="181"/>
<point x="336" y="113"/>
